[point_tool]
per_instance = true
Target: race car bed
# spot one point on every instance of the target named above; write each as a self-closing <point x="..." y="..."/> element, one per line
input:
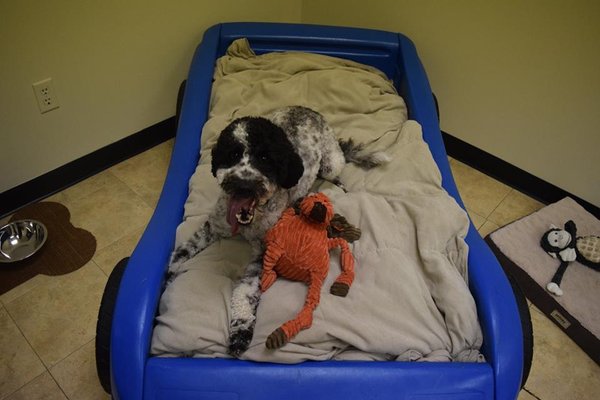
<point x="136" y="285"/>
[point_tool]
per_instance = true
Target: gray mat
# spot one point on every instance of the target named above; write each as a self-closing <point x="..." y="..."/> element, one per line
<point x="518" y="249"/>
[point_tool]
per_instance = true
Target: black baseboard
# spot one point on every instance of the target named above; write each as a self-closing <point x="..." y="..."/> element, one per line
<point x="510" y="175"/>
<point x="86" y="166"/>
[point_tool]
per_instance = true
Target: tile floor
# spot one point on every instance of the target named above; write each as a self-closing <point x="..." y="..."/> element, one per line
<point x="47" y="324"/>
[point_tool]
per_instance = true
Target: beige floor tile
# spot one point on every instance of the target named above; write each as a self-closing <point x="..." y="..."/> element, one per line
<point x="487" y="228"/>
<point x="516" y="205"/>
<point x="18" y="362"/>
<point x="476" y="219"/>
<point x="41" y="388"/>
<point x="84" y="188"/>
<point x="524" y="395"/>
<point x="109" y="256"/>
<point x="165" y="149"/>
<point x="77" y="377"/>
<point x="146" y="172"/>
<point x="110" y="213"/>
<point x="23" y="288"/>
<point x="480" y="193"/>
<point x="560" y="369"/>
<point x="59" y="316"/>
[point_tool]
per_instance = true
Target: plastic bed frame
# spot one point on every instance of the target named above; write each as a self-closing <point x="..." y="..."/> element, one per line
<point x="136" y="289"/>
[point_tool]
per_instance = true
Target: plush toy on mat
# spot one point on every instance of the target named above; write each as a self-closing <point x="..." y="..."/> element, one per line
<point x="297" y="248"/>
<point x="567" y="247"/>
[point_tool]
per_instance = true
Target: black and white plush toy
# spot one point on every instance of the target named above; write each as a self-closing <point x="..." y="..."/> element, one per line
<point x="564" y="245"/>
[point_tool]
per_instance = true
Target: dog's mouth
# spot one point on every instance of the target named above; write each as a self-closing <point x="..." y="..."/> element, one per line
<point x="240" y="212"/>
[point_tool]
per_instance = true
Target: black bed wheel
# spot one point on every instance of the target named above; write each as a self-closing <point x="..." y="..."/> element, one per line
<point x="437" y="106"/>
<point x="104" y="324"/>
<point x="526" y="327"/>
<point x="179" y="101"/>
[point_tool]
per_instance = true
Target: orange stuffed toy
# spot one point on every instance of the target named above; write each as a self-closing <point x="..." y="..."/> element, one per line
<point x="297" y="248"/>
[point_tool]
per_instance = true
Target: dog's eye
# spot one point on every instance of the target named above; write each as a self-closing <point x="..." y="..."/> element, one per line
<point x="262" y="157"/>
<point x="235" y="155"/>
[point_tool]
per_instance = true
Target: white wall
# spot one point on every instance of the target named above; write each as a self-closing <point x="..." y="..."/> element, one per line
<point x="116" y="66"/>
<point x="518" y="79"/>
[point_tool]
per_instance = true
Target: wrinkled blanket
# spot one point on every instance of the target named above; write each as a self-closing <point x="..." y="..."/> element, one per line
<point x="409" y="300"/>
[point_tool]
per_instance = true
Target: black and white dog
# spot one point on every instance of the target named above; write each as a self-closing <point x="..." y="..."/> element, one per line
<point x="263" y="166"/>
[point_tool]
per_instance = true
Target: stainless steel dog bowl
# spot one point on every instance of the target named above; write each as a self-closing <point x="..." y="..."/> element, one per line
<point x="21" y="239"/>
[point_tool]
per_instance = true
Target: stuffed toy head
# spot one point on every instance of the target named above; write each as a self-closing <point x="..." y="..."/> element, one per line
<point x="558" y="243"/>
<point x="317" y="208"/>
<point x="566" y="246"/>
<point x="555" y="240"/>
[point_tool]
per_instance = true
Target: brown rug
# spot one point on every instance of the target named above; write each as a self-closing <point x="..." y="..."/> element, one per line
<point x="67" y="248"/>
<point x="517" y="247"/>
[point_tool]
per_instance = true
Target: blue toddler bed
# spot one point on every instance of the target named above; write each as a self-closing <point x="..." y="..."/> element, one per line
<point x="131" y="300"/>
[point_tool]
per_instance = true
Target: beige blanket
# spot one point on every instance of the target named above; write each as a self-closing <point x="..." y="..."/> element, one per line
<point x="409" y="300"/>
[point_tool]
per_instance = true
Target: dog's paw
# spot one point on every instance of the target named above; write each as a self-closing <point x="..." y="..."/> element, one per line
<point x="179" y="256"/>
<point x="239" y="341"/>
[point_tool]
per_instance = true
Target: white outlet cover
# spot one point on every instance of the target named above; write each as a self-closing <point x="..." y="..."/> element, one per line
<point x="46" y="95"/>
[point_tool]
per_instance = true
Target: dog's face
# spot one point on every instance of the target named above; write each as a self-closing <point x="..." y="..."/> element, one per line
<point x="251" y="160"/>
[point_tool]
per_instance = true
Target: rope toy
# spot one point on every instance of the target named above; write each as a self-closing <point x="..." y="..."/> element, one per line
<point x="297" y="248"/>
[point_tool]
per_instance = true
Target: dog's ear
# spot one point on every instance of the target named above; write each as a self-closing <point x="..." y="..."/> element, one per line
<point x="275" y="155"/>
<point x="227" y="151"/>
<point x="214" y="164"/>
<point x="289" y="167"/>
<point x="289" y="176"/>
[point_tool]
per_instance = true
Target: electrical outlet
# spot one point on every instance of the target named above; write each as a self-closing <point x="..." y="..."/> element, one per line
<point x="45" y="95"/>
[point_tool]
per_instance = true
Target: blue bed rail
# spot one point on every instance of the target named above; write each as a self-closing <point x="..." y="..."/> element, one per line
<point x="136" y="375"/>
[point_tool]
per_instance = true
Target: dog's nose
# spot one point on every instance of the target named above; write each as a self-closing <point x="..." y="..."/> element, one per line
<point x="240" y="187"/>
<point x="318" y="212"/>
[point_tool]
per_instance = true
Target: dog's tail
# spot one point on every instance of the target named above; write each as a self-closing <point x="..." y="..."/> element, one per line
<point x="354" y="153"/>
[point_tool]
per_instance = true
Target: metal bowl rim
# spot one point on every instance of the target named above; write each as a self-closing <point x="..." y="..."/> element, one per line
<point x="35" y="221"/>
